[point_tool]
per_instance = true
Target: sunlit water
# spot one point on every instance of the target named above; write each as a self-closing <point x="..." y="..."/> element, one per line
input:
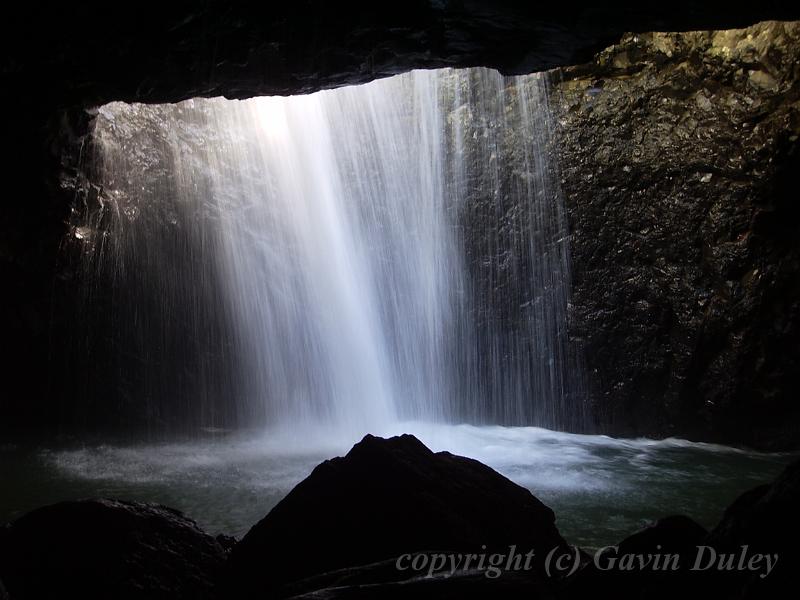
<point x="351" y="258"/>
<point x="601" y="489"/>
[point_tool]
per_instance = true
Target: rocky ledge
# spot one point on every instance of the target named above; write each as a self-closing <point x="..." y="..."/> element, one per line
<point x="392" y="519"/>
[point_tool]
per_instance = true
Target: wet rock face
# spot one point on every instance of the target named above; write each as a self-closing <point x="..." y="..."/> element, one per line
<point x="679" y="155"/>
<point x="108" y="549"/>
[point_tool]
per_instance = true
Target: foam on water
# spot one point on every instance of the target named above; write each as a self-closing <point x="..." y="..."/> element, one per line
<point x="601" y="488"/>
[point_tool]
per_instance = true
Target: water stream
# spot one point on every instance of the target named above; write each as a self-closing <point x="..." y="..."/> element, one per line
<point x="352" y="258"/>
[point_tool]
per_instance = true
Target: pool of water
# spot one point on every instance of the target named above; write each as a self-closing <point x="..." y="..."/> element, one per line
<point x="600" y="488"/>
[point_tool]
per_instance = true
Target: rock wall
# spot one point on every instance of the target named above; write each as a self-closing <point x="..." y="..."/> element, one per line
<point x="679" y="158"/>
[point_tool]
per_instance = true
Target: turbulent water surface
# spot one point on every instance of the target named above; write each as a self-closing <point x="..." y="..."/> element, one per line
<point x="600" y="488"/>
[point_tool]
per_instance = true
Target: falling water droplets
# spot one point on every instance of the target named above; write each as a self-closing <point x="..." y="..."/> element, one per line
<point x="353" y="258"/>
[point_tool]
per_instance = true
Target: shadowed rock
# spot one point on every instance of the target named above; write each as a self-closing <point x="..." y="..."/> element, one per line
<point x="676" y="534"/>
<point x="461" y="586"/>
<point x="107" y="549"/>
<point x="385" y="498"/>
<point x="667" y="548"/>
<point x="762" y="521"/>
<point x="765" y="521"/>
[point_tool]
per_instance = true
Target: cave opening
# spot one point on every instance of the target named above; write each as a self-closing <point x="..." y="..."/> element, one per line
<point x="264" y="281"/>
<point x="273" y="341"/>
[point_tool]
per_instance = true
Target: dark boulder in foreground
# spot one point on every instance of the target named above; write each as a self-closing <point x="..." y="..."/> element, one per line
<point x="765" y="521"/>
<point x="602" y="574"/>
<point x="108" y="549"/>
<point x="470" y="585"/>
<point x="765" y="517"/>
<point x="730" y="562"/>
<point x="675" y="534"/>
<point x="385" y="498"/>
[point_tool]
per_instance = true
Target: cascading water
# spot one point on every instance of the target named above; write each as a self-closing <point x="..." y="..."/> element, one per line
<point x="389" y="252"/>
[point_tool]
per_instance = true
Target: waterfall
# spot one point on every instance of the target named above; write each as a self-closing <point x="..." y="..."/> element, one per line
<point x="355" y="257"/>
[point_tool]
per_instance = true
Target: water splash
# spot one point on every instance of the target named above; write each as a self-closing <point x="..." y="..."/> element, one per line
<point x="601" y="489"/>
<point x="350" y="258"/>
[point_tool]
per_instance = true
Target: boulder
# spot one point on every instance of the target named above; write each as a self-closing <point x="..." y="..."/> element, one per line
<point x="461" y="586"/>
<point x="602" y="575"/>
<point x="108" y="549"/>
<point x="764" y="517"/>
<point x="762" y="521"/>
<point x="386" y="498"/>
<point x="676" y="534"/>
<point x="729" y="562"/>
